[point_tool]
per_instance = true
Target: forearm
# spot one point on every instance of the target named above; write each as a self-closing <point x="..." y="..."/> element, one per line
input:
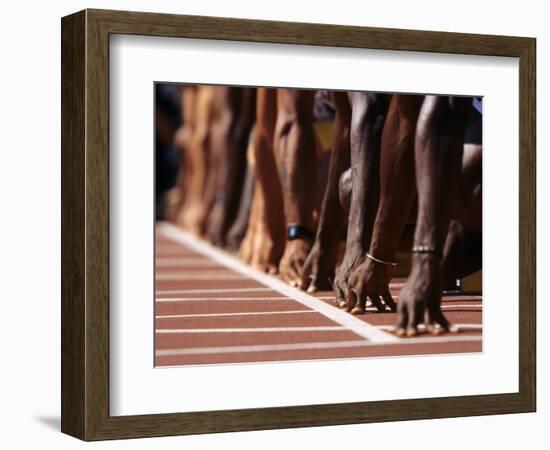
<point x="298" y="174"/>
<point x="366" y="130"/>
<point x="438" y="157"/>
<point x="234" y="170"/>
<point x="332" y="219"/>
<point x="397" y="177"/>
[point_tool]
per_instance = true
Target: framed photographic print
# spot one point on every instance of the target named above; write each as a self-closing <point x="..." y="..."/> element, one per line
<point x="270" y="224"/>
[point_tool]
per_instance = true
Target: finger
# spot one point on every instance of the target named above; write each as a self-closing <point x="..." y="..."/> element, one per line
<point x="307" y="280"/>
<point x="296" y="281"/>
<point x="259" y="266"/>
<point x="416" y="314"/>
<point x="342" y="295"/>
<point x="403" y="318"/>
<point x="339" y="298"/>
<point x="286" y="275"/>
<point x="297" y="266"/>
<point x="359" y="307"/>
<point x="389" y="301"/>
<point x="351" y="300"/>
<point x="353" y="303"/>
<point x="319" y="284"/>
<point x="291" y="276"/>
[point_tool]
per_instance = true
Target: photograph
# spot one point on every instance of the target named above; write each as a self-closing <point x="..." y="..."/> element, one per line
<point x="272" y="224"/>
<point x="296" y="224"/>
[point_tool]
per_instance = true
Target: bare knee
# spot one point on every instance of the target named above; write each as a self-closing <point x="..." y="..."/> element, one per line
<point x="295" y="112"/>
<point x="368" y="110"/>
<point x="442" y="116"/>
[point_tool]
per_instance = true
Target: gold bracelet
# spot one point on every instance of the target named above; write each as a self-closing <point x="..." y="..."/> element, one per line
<point x="380" y="261"/>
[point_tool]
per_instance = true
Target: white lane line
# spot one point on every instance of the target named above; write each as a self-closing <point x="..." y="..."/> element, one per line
<point x="197" y="276"/>
<point x="454" y="326"/>
<point x="461" y="299"/>
<point x="472" y="307"/>
<point x="309" y="346"/>
<point x="251" y="330"/>
<point x="395" y="297"/>
<point x="259" y="299"/>
<point x="211" y="291"/>
<point x="217" y="299"/>
<point x="232" y="299"/>
<point x="343" y="318"/>
<point x="258" y="313"/>
<point x="443" y="307"/>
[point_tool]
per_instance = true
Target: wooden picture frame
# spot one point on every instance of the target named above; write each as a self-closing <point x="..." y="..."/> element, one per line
<point x="85" y="224"/>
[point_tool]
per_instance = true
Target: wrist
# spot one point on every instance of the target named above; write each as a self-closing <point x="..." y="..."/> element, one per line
<point x="427" y="250"/>
<point x="296" y="231"/>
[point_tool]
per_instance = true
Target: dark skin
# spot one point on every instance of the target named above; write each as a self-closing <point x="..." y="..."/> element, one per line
<point x="344" y="190"/>
<point x="438" y="159"/>
<point x="370" y="281"/>
<point x="367" y="121"/>
<point x="318" y="271"/>
<point x="468" y="202"/>
<point x="231" y="125"/>
<point x="294" y="144"/>
<point x="462" y="254"/>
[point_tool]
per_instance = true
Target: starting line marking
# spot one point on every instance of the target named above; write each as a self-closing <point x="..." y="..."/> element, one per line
<point x="343" y="318"/>
<point x="455" y="326"/>
<point x="309" y="346"/>
<point x="443" y="308"/>
<point x="197" y="276"/>
<point x="210" y="291"/>
<point x="216" y="299"/>
<point x="258" y="313"/>
<point x="251" y="330"/>
<point x="472" y="307"/>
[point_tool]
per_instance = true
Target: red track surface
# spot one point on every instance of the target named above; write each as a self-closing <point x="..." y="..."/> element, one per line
<point x="208" y="313"/>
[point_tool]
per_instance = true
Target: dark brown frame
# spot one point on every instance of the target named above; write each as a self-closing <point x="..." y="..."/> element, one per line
<point x="85" y="224"/>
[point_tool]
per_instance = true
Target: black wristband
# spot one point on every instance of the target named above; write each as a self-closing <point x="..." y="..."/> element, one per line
<point x="299" y="232"/>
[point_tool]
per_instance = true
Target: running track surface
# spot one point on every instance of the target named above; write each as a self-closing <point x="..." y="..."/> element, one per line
<point x="212" y="309"/>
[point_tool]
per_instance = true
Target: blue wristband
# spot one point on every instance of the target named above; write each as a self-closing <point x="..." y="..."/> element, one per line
<point x="299" y="232"/>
